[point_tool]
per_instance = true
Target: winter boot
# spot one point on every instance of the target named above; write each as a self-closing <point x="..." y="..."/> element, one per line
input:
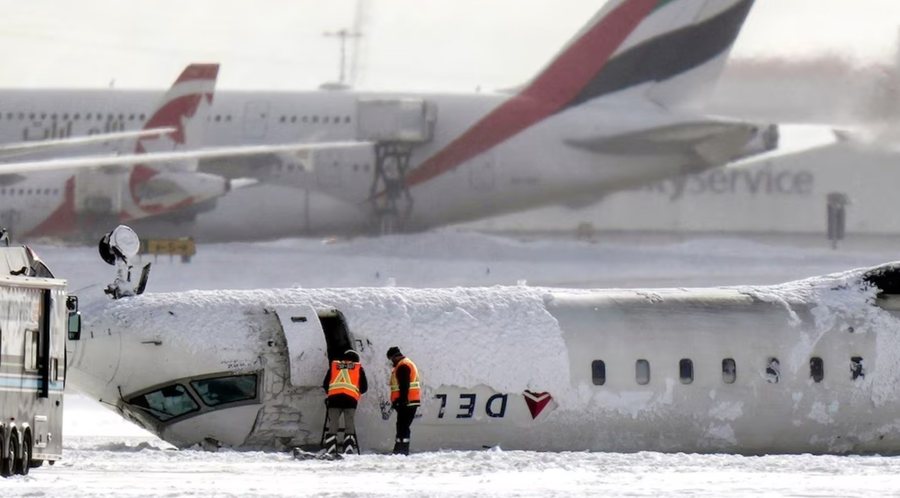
<point x="401" y="446"/>
<point x="350" y="444"/>
<point x="330" y="446"/>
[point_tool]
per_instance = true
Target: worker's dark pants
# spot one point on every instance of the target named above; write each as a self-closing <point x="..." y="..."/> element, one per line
<point x="405" y="416"/>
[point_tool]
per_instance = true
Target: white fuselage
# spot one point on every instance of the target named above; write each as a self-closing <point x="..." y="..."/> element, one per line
<point x="523" y="368"/>
<point x="532" y="167"/>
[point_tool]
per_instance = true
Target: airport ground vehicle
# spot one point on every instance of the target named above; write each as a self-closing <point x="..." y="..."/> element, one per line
<point x="35" y="315"/>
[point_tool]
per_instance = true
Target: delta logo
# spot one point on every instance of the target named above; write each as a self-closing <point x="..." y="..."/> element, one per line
<point x="538" y="402"/>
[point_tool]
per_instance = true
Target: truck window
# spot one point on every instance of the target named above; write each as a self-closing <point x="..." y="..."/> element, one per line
<point x="31" y="349"/>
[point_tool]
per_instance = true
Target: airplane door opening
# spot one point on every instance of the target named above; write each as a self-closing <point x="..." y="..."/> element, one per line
<point x="256" y="114"/>
<point x="313" y="339"/>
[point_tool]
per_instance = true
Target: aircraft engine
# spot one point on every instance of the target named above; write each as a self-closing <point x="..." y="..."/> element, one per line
<point x="170" y="190"/>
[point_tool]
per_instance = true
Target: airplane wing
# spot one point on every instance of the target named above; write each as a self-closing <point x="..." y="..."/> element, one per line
<point x="163" y="157"/>
<point x="22" y="148"/>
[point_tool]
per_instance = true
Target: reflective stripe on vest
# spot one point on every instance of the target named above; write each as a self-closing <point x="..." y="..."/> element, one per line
<point x="414" y="396"/>
<point x="344" y="379"/>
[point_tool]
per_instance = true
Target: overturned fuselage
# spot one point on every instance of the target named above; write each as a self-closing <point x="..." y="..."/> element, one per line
<point x="808" y="366"/>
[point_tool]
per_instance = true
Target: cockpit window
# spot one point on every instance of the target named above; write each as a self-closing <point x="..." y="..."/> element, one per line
<point x="166" y="403"/>
<point x="222" y="390"/>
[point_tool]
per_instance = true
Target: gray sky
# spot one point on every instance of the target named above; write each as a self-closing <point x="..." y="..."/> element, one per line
<point x="407" y="44"/>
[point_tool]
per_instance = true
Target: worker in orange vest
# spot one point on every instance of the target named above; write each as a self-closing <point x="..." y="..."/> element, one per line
<point x="406" y="396"/>
<point x="344" y="383"/>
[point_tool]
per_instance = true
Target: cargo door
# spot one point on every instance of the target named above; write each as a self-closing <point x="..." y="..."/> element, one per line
<point x="481" y="173"/>
<point x="256" y="116"/>
<point x="307" y="349"/>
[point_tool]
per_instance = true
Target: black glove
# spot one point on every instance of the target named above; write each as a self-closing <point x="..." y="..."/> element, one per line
<point x="395" y="405"/>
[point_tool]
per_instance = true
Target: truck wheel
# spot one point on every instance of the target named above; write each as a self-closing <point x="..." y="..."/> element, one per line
<point x="9" y="458"/>
<point x="22" y="463"/>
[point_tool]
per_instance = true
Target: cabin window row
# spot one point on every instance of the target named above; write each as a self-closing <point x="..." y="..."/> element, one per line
<point x="729" y="370"/>
<point x="88" y="116"/>
<point x="29" y="191"/>
<point x="315" y="119"/>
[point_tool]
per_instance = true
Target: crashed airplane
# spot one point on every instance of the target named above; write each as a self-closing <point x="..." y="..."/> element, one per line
<point x="807" y="366"/>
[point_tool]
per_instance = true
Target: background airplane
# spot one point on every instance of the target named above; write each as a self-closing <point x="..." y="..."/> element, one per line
<point x="609" y="112"/>
<point x="81" y="195"/>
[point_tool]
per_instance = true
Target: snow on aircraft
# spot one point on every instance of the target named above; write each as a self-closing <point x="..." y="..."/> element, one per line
<point x="610" y="111"/>
<point x="807" y="366"/>
<point x="62" y="195"/>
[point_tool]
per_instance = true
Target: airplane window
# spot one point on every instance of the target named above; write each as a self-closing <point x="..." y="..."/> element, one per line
<point x="43" y="115"/>
<point x="21" y="115"/>
<point x="315" y="119"/>
<point x="31" y="116"/>
<point x="305" y="119"/>
<point x="66" y="116"/>
<point x="142" y="117"/>
<point x="56" y="191"/>
<point x="282" y="119"/>
<point x="857" y="371"/>
<point x="293" y="119"/>
<point x="121" y="117"/>
<point x="131" y="117"/>
<point x="773" y="370"/>
<point x="46" y="191"/>
<point x="223" y="390"/>
<point x="346" y="119"/>
<point x="53" y="116"/>
<point x="166" y="403"/>
<point x="816" y="369"/>
<point x="88" y="116"/>
<point x="100" y="117"/>
<point x="642" y="372"/>
<point x="324" y="119"/>
<point x="686" y="371"/>
<point x="77" y="117"/>
<point x="337" y="119"/>
<point x="29" y="191"/>
<point x="729" y="370"/>
<point x="2" y="191"/>
<point x="218" y="118"/>
<point x="598" y="372"/>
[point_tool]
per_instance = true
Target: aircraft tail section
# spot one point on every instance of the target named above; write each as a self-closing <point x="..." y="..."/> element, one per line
<point x="181" y="109"/>
<point x="674" y="49"/>
<point x="666" y="50"/>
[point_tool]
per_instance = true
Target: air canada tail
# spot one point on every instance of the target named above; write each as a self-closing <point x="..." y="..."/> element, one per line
<point x="178" y="109"/>
<point x="674" y="50"/>
<point x="181" y="108"/>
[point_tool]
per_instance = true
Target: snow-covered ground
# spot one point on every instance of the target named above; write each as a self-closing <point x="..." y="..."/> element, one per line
<point x="106" y="456"/>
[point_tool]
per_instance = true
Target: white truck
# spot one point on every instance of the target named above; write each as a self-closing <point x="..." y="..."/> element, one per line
<point x="35" y="315"/>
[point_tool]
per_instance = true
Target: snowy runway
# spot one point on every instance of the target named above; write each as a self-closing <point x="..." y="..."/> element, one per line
<point x="95" y="466"/>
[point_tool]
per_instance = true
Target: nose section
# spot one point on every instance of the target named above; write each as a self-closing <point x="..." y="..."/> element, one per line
<point x="94" y="359"/>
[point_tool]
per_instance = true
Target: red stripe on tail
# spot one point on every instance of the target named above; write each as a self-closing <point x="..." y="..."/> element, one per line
<point x="547" y="94"/>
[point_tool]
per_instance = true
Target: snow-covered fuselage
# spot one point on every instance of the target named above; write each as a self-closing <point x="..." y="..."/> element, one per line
<point x="809" y="366"/>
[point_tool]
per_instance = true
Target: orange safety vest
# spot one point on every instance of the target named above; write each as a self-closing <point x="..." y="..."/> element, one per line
<point x="414" y="396"/>
<point x="344" y="379"/>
